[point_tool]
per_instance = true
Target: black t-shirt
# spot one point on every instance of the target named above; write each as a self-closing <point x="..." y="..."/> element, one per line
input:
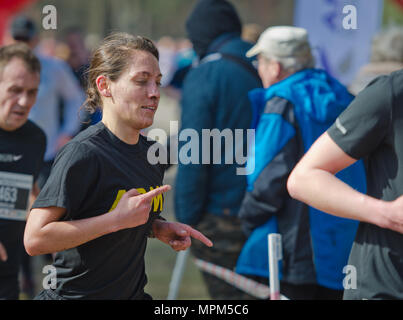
<point x="372" y="128"/>
<point x="21" y="157"/>
<point x="88" y="177"/>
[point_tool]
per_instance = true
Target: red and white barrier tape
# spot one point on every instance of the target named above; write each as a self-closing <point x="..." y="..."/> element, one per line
<point x="245" y="284"/>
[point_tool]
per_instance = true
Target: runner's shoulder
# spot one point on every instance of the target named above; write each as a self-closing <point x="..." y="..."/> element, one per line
<point x="148" y="142"/>
<point x="397" y="84"/>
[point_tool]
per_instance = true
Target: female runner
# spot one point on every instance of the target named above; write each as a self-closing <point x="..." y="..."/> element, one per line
<point x="103" y="197"/>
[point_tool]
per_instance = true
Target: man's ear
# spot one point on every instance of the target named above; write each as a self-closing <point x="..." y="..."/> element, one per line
<point x="276" y="69"/>
<point x="103" y="86"/>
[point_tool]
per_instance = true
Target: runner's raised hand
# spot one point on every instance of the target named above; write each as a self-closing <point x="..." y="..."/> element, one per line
<point x="134" y="208"/>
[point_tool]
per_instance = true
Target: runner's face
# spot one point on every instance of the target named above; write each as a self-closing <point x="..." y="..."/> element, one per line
<point x="136" y="93"/>
<point x="18" y="90"/>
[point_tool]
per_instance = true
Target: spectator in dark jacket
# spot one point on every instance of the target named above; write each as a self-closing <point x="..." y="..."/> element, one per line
<point x="215" y="96"/>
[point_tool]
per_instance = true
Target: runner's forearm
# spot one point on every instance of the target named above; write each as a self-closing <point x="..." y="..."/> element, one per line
<point x="306" y="185"/>
<point x="62" y="235"/>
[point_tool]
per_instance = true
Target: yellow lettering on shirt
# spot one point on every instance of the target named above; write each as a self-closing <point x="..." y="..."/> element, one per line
<point x="118" y="197"/>
<point x="157" y="201"/>
<point x="156" y="204"/>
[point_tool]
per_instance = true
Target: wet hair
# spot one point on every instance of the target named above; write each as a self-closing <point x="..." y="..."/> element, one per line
<point x="111" y="58"/>
<point x="20" y="51"/>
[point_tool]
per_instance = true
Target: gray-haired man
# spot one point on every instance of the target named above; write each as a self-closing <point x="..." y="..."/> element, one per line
<point x="297" y="105"/>
<point x="22" y="147"/>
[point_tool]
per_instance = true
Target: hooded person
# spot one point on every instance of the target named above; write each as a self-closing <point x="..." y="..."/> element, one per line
<point x="209" y="20"/>
<point x="298" y="104"/>
<point x="215" y="96"/>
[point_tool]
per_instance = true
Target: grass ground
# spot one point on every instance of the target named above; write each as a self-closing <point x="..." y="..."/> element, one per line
<point x="160" y="261"/>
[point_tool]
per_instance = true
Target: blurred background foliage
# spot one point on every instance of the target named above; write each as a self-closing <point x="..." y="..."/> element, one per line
<point x="157" y="18"/>
<point x="154" y="18"/>
<point x="392" y="13"/>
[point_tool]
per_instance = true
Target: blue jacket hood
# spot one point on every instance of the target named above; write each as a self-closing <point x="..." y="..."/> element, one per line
<point x="312" y="91"/>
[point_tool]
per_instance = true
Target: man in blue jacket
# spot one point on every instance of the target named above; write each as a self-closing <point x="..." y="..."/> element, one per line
<point x="298" y="104"/>
<point x="208" y="195"/>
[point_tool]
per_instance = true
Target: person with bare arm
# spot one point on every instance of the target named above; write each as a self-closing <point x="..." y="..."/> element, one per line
<point x="103" y="197"/>
<point x="370" y="129"/>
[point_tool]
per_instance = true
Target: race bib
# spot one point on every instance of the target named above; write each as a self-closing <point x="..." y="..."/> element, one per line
<point x="15" y="189"/>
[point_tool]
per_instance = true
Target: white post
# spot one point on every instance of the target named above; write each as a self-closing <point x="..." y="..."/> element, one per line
<point x="177" y="274"/>
<point x="275" y="254"/>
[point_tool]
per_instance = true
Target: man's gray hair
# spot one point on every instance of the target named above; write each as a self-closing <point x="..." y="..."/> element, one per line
<point x="387" y="45"/>
<point x="300" y="61"/>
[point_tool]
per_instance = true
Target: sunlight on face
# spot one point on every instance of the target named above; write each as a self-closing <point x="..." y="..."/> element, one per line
<point x="136" y="93"/>
<point x="18" y="90"/>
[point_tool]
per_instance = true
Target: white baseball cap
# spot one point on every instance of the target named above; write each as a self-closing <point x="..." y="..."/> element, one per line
<point x="281" y="41"/>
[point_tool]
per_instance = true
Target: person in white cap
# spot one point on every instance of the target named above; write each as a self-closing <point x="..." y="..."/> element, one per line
<point x="297" y="105"/>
